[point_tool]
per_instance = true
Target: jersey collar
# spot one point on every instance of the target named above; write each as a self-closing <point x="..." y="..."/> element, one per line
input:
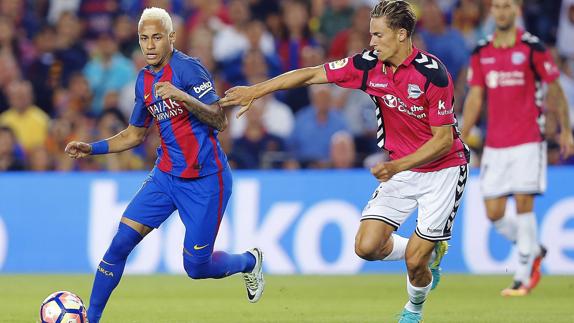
<point x="411" y="57"/>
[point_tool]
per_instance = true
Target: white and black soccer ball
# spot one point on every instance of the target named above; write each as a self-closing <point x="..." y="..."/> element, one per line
<point x="63" y="307"/>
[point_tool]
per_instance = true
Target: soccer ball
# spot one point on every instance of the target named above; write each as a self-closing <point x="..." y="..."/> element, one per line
<point x="63" y="307"/>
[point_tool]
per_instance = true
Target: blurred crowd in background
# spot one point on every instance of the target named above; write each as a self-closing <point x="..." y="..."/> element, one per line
<point x="69" y="69"/>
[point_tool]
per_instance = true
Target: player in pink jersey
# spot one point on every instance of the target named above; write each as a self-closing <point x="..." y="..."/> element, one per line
<point x="413" y="95"/>
<point x="509" y="67"/>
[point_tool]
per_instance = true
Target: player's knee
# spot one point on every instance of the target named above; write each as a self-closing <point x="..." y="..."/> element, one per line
<point x="196" y="270"/>
<point x="416" y="265"/>
<point x="367" y="249"/>
<point x="122" y="245"/>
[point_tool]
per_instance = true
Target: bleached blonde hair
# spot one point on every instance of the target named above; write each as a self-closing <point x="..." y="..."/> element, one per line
<point x="160" y="14"/>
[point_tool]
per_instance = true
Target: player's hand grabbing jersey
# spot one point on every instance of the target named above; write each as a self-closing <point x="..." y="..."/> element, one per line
<point x="416" y="96"/>
<point x="512" y="80"/>
<point x="189" y="148"/>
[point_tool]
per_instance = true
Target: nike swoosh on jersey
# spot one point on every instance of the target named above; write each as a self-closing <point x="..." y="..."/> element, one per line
<point x="146" y="96"/>
<point x="196" y="247"/>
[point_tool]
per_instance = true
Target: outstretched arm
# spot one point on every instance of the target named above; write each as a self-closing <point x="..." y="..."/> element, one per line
<point x="126" y="139"/>
<point x="210" y="114"/>
<point x="245" y="95"/>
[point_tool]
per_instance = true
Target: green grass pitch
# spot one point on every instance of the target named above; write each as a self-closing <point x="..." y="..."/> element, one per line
<point x="330" y="299"/>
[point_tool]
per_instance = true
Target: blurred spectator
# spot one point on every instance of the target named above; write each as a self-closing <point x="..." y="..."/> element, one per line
<point x="342" y="151"/>
<point x="127" y="95"/>
<point x="296" y="35"/>
<point x="58" y="7"/>
<point x="29" y="123"/>
<point x="108" y="70"/>
<point x="11" y="157"/>
<point x="445" y="43"/>
<point x="541" y="18"/>
<point x="98" y="16"/>
<point x="565" y="39"/>
<point x="232" y="41"/>
<point x="466" y="19"/>
<point x="233" y="69"/>
<point x="45" y="72"/>
<point x="566" y="67"/>
<point x="212" y="14"/>
<point x="358" y="32"/>
<point x="126" y="34"/>
<point x="257" y="148"/>
<point x="336" y="17"/>
<point x="9" y="55"/>
<point x="310" y="140"/>
<point x="70" y="51"/>
<point x="23" y="19"/>
<point x="40" y="160"/>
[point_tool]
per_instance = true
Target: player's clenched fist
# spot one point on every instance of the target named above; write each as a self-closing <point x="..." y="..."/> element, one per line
<point x="166" y="90"/>
<point x="384" y="171"/>
<point x="77" y="149"/>
<point x="239" y="95"/>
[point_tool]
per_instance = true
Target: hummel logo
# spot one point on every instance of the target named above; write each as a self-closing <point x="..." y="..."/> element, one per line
<point x="196" y="247"/>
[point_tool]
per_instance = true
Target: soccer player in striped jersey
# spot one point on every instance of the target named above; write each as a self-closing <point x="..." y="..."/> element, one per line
<point x="413" y="96"/>
<point x="509" y="67"/>
<point x="191" y="174"/>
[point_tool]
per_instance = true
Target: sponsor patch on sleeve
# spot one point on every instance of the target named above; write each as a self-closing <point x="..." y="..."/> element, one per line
<point x="338" y="64"/>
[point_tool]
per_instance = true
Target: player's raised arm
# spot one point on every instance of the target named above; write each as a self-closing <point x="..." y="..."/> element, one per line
<point x="245" y="95"/>
<point x="210" y="114"/>
<point x="126" y="139"/>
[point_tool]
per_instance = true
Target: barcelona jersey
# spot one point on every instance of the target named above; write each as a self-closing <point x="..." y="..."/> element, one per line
<point x="189" y="148"/>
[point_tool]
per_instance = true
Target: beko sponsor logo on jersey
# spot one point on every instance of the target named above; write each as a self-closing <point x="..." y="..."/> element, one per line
<point x="496" y="79"/>
<point x="165" y="109"/>
<point x="203" y="88"/>
<point x="392" y="102"/>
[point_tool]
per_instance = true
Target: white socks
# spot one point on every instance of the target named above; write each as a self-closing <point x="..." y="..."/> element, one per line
<point x="417" y="296"/>
<point x="399" y="248"/>
<point x="507" y="226"/>
<point x="527" y="244"/>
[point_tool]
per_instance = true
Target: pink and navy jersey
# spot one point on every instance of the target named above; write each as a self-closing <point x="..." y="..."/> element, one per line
<point x="409" y="101"/>
<point x="189" y="148"/>
<point x="512" y="78"/>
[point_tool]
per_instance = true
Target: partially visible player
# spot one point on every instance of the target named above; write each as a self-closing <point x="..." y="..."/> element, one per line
<point x="413" y="94"/>
<point x="509" y="68"/>
<point x="191" y="173"/>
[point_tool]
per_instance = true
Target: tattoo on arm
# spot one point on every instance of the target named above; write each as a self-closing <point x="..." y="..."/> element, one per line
<point x="212" y="115"/>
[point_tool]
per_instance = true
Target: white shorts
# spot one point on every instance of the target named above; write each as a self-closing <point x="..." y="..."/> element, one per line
<point x="519" y="169"/>
<point x="436" y="194"/>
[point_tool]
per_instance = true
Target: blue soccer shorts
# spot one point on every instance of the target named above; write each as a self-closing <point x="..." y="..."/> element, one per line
<point x="201" y="203"/>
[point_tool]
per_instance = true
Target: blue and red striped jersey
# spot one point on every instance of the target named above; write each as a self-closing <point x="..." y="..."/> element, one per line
<point x="189" y="148"/>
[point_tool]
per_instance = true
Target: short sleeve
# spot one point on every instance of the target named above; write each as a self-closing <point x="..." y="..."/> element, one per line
<point x="140" y="115"/>
<point x="344" y="73"/>
<point x="440" y="104"/>
<point x="199" y="83"/>
<point x="475" y="76"/>
<point x="545" y="66"/>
